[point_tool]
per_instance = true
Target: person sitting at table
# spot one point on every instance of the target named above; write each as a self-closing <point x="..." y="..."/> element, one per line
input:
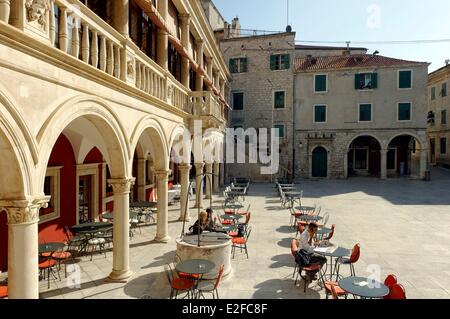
<point x="212" y="224"/>
<point x="201" y="224"/>
<point x="306" y="244"/>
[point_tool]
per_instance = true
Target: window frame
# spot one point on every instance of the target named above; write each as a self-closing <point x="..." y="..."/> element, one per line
<point x="443" y="112"/>
<point x="372" y="77"/>
<point x="398" y="79"/>
<point x="54" y="172"/>
<point x="243" y="100"/>
<point x="279" y="56"/>
<point x="314" y="113"/>
<point x="284" y="130"/>
<point x="273" y="100"/>
<point x="326" y="83"/>
<point x="444" y="85"/>
<point x="441" y="139"/>
<point x="239" y="64"/>
<point x="366" y="149"/>
<point x="433" y="93"/>
<point x="359" y="112"/>
<point x="410" y="112"/>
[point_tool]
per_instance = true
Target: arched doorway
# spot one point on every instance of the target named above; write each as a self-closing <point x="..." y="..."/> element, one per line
<point x="364" y="157"/>
<point x="319" y="162"/>
<point x="403" y="157"/>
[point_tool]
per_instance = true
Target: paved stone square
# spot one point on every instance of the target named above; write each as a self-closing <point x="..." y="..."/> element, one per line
<point x="402" y="225"/>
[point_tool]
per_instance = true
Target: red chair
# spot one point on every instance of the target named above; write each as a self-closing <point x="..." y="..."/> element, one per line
<point x="390" y="280"/>
<point x="241" y="242"/>
<point x="396" y="291"/>
<point x="334" y="292"/>
<point x="3" y="292"/>
<point x="330" y="235"/>
<point x="178" y="284"/>
<point x="354" y="257"/>
<point x="209" y="287"/>
<point x="332" y="288"/>
<point x="48" y="265"/>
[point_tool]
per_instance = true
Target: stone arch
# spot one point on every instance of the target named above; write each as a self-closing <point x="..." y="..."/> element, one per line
<point x="102" y="117"/>
<point x="18" y="150"/>
<point x="353" y="138"/>
<point x="186" y="146"/>
<point x="374" y="165"/>
<point x="418" y="139"/>
<point x="158" y="140"/>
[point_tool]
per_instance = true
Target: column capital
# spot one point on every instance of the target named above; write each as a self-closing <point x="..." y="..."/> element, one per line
<point x="184" y="167"/>
<point x="185" y="17"/>
<point x="199" y="165"/>
<point x="121" y="185"/>
<point x="24" y="211"/>
<point x="162" y="173"/>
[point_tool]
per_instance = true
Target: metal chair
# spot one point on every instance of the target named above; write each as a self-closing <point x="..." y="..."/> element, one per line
<point x="241" y="242"/>
<point x="178" y="284"/>
<point x="203" y="287"/>
<point x="354" y="257"/>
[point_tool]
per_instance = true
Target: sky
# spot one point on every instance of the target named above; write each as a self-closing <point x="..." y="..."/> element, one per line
<point x="355" y="21"/>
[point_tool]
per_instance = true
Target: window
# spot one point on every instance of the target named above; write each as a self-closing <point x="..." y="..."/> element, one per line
<point x="405" y="79"/>
<point x="443" y="145"/>
<point x="238" y="65"/>
<point x="320" y="83"/>
<point x="444" y="117"/>
<point x="433" y="93"/>
<point x="143" y="32"/>
<point x="444" y="89"/>
<point x="279" y="99"/>
<point x="280" y="128"/>
<point x="366" y="81"/>
<point x="404" y="111"/>
<point x="361" y="158"/>
<point x="238" y="100"/>
<point x="365" y="112"/>
<point x="52" y="189"/>
<point x="280" y="62"/>
<point x="320" y="113"/>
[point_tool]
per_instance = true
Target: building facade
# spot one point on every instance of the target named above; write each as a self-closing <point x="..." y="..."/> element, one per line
<point x="94" y="97"/>
<point x="439" y="107"/>
<point x="359" y="114"/>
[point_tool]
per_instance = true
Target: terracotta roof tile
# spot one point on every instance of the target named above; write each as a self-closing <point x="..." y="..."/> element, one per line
<point x="348" y="61"/>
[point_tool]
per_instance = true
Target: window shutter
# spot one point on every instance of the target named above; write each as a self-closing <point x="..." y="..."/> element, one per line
<point x="374" y="80"/>
<point x="273" y="62"/>
<point x="244" y="64"/>
<point x="287" y="58"/>
<point x="357" y="81"/>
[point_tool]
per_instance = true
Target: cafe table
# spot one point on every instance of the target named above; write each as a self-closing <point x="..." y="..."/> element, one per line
<point x="234" y="217"/>
<point x="364" y="287"/>
<point x="332" y="252"/>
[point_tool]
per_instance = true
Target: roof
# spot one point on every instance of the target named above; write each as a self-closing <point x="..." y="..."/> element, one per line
<point x="353" y="61"/>
<point x="445" y="67"/>
<point x="319" y="47"/>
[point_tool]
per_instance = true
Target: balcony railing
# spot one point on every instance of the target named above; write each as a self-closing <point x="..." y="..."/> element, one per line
<point x="75" y="30"/>
<point x="205" y="103"/>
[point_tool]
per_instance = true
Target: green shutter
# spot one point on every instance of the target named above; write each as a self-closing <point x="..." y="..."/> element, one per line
<point x="244" y="64"/>
<point x="374" y="80"/>
<point x="357" y="81"/>
<point x="273" y="62"/>
<point x="233" y="65"/>
<point x="405" y="79"/>
<point x="320" y="83"/>
<point x="287" y="59"/>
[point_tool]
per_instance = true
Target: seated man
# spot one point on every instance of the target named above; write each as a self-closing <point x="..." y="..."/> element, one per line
<point x="305" y="243"/>
<point x="211" y="224"/>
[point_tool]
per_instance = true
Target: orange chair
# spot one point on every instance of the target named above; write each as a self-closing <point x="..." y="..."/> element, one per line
<point x="209" y="287"/>
<point x="354" y="257"/>
<point x="396" y="291"/>
<point x="332" y="288"/>
<point x="331" y="234"/>
<point x="3" y="292"/>
<point x="48" y="265"/>
<point x="178" y="284"/>
<point x="241" y="242"/>
<point x="390" y="280"/>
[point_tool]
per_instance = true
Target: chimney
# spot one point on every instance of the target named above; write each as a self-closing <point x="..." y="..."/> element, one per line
<point x="447" y="62"/>
<point x="236" y="27"/>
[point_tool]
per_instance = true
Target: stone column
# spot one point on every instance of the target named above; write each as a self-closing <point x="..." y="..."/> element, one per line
<point x="121" y="250"/>
<point x="184" y="201"/>
<point x="222" y="88"/>
<point x="198" y="185"/>
<point x="199" y="79"/>
<point x="217" y="79"/>
<point x="208" y="180"/>
<point x="208" y="67"/>
<point x="141" y="179"/>
<point x="423" y="162"/>
<point x="23" y="273"/>
<point x="162" y="225"/>
<point x="185" y="26"/>
<point x="222" y="174"/>
<point x="5" y="9"/>
<point x="383" y="164"/>
<point x="216" y="177"/>
<point x="163" y="38"/>
<point x="121" y="16"/>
